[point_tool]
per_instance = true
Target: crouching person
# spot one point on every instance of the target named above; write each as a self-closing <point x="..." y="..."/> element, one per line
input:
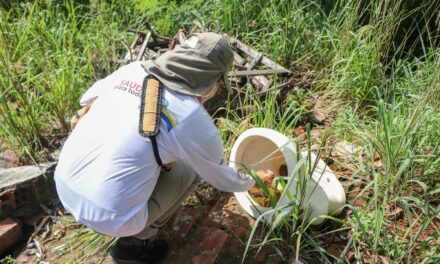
<point x="116" y="178"/>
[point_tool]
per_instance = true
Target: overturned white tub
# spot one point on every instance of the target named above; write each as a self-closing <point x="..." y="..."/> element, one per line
<point x="262" y="148"/>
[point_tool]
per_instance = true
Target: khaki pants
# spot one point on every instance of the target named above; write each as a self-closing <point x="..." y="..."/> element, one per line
<point x="172" y="188"/>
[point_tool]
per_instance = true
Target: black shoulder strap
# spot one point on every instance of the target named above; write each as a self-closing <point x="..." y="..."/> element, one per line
<point x="156" y="150"/>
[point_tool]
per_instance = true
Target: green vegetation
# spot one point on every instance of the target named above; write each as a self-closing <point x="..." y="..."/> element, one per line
<point x="8" y="260"/>
<point x="375" y="64"/>
<point x="83" y="244"/>
<point x="49" y="54"/>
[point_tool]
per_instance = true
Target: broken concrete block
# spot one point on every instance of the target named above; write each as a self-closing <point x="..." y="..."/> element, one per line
<point x="23" y="189"/>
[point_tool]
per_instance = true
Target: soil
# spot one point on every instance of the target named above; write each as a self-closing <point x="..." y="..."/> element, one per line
<point x="260" y="197"/>
<point x="225" y="214"/>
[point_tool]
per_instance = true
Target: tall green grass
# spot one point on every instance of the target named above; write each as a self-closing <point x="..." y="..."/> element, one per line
<point x="50" y="53"/>
<point x="248" y="108"/>
<point x="368" y="55"/>
<point x="394" y="105"/>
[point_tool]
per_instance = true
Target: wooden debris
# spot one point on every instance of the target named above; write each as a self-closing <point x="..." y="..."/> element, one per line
<point x="258" y="72"/>
<point x="249" y="65"/>
<point x="144" y="47"/>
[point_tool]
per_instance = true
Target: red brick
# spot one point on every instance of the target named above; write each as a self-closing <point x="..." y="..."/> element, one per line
<point x="241" y="232"/>
<point x="214" y="240"/>
<point x="202" y="259"/>
<point x="215" y="215"/>
<point x="23" y="259"/>
<point x="7" y="198"/>
<point x="10" y="233"/>
<point x="234" y="247"/>
<point x="185" y="221"/>
<point x="211" y="246"/>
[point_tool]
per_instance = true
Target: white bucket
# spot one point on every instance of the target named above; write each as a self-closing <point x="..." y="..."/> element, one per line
<point x="262" y="148"/>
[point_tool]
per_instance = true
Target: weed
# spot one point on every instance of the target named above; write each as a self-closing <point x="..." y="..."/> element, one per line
<point x="50" y="54"/>
<point x="366" y="54"/>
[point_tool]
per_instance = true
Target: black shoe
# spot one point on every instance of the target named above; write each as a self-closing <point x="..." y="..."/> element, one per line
<point x="131" y="250"/>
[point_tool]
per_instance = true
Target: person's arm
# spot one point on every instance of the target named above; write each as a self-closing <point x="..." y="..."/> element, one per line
<point x="202" y="149"/>
<point x="220" y="175"/>
<point x="217" y="173"/>
<point x="80" y="113"/>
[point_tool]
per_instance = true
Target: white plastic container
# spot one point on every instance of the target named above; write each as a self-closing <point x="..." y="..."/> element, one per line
<point x="262" y="148"/>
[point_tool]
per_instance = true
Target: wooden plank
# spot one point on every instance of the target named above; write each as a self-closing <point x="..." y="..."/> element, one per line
<point x="255" y="61"/>
<point x="258" y="72"/>
<point x="239" y="60"/>
<point x="258" y="81"/>
<point x="267" y="86"/>
<point x="150" y="54"/>
<point x="138" y="32"/>
<point x="278" y="87"/>
<point x="144" y="46"/>
<point x="251" y="52"/>
<point x="160" y="44"/>
<point x="129" y="55"/>
<point x="133" y="45"/>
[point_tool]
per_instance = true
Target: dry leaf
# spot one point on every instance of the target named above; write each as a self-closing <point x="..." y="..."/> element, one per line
<point x="297" y="130"/>
<point x="334" y="250"/>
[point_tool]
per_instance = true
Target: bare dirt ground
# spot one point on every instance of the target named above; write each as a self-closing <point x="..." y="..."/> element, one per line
<point x="209" y="227"/>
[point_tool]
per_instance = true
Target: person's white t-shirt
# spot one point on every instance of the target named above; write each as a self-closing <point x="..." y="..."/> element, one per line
<point x="107" y="170"/>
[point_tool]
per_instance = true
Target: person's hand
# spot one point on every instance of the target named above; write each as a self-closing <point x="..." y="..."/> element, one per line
<point x="266" y="176"/>
<point x="79" y="114"/>
<point x="74" y="120"/>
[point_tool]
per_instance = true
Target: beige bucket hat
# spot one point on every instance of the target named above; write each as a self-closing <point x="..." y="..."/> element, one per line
<point x="195" y="65"/>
